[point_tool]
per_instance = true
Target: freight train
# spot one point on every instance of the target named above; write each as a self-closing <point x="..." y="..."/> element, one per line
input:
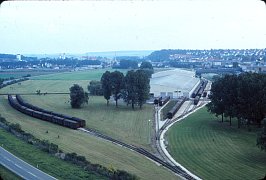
<point x="196" y="100"/>
<point x="162" y="100"/>
<point x="199" y="89"/>
<point x="81" y="122"/>
<point x="36" y="112"/>
<point x="176" y="107"/>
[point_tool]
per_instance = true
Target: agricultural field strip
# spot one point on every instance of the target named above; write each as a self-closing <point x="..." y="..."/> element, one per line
<point x="163" y="147"/>
<point x="138" y="150"/>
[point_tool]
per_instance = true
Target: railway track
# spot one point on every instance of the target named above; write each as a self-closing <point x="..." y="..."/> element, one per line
<point x="167" y="164"/>
<point x="176" y="169"/>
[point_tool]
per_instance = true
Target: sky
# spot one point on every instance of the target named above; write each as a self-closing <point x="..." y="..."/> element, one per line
<point x="47" y="27"/>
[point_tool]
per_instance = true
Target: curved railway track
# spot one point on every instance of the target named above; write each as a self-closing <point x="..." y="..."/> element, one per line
<point x="167" y="164"/>
<point x="160" y="140"/>
<point x="176" y="169"/>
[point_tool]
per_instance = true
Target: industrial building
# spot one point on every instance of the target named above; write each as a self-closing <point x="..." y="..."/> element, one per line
<point x="174" y="83"/>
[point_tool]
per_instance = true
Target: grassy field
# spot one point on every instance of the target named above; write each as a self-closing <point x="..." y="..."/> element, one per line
<point x="20" y="73"/>
<point x="5" y="174"/>
<point x="134" y="129"/>
<point x="47" y="163"/>
<point x="95" y="150"/>
<point x="214" y="150"/>
<point x="121" y="123"/>
<point x="94" y="74"/>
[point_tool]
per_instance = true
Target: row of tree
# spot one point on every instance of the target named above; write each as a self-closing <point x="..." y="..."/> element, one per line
<point x="133" y="88"/>
<point x="239" y="96"/>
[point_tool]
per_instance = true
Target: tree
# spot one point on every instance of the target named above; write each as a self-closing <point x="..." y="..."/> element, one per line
<point x="95" y="88"/>
<point x="142" y="87"/>
<point x="251" y="97"/>
<point x="77" y="96"/>
<point x="117" y="82"/>
<point x="107" y="86"/>
<point x="147" y="67"/>
<point x="261" y="139"/>
<point x="230" y="95"/>
<point x="130" y="91"/>
<point x="137" y="88"/>
<point x="128" y="64"/>
<point x="241" y="96"/>
<point x="216" y="105"/>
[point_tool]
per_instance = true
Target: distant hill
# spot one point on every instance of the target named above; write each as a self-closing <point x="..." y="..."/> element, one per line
<point x="121" y="53"/>
<point x="108" y="54"/>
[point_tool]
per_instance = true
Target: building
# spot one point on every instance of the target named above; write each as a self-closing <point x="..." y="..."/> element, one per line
<point x="19" y="57"/>
<point x="174" y="83"/>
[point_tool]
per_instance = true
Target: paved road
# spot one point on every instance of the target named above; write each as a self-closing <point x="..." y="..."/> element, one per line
<point x="21" y="168"/>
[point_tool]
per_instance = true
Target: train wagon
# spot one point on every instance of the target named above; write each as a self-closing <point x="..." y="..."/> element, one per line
<point x="196" y="100"/>
<point x="176" y="107"/>
<point x="37" y="114"/>
<point x="58" y="120"/>
<point x="73" y="124"/>
<point x="156" y="101"/>
<point x="164" y="100"/>
<point x="47" y="117"/>
<point x="81" y="122"/>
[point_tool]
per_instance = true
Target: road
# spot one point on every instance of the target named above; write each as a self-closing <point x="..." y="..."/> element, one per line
<point x="21" y="168"/>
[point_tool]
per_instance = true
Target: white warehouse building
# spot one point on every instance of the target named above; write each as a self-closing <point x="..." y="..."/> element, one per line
<point x="173" y="83"/>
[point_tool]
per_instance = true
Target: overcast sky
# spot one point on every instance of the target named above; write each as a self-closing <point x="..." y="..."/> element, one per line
<point x="94" y="26"/>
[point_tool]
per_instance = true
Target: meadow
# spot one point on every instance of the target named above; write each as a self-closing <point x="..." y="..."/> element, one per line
<point x="93" y="74"/>
<point x="123" y="123"/>
<point x="131" y="126"/>
<point x="214" y="150"/>
<point x="5" y="74"/>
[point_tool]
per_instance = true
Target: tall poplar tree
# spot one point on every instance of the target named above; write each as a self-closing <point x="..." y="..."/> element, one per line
<point x="117" y="82"/>
<point x="107" y="86"/>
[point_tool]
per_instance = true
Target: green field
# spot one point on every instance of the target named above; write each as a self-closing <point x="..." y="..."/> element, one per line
<point x="122" y="123"/>
<point x="20" y="73"/>
<point x="214" y="150"/>
<point x="94" y="149"/>
<point x="134" y="129"/>
<point x="94" y="74"/>
<point x="47" y="163"/>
